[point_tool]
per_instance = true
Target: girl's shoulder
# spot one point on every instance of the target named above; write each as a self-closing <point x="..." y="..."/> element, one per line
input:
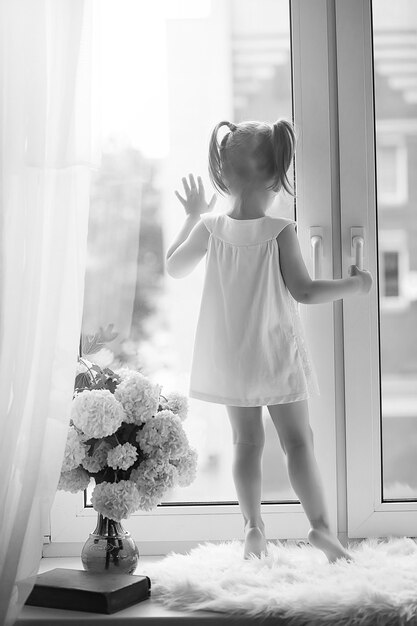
<point x="277" y="224"/>
<point x="243" y="232"/>
<point x="209" y="220"/>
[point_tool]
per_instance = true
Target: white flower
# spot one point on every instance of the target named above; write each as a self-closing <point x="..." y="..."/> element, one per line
<point x="116" y="500"/>
<point x="163" y="434"/>
<point x="177" y="403"/>
<point x="155" y="470"/>
<point x="75" y="451"/>
<point x="122" y="456"/>
<point x="187" y="468"/>
<point x="98" y="460"/>
<point x="153" y="478"/>
<point x="97" y="413"/>
<point x="74" y="480"/>
<point x="138" y="395"/>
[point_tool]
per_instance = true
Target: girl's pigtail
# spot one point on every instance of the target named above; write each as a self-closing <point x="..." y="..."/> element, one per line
<point x="215" y="157"/>
<point x="283" y="144"/>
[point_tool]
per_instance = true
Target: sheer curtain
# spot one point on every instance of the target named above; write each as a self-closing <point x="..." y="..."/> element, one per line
<point x="49" y="144"/>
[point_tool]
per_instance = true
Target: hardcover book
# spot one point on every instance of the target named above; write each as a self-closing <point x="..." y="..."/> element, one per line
<point x="79" y="590"/>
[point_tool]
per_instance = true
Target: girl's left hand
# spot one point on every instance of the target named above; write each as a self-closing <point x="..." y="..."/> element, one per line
<point x="195" y="201"/>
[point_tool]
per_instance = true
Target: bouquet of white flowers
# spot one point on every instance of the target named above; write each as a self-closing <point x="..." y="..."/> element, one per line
<point x="125" y="435"/>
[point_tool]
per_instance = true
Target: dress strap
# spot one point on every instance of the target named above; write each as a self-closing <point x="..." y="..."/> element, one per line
<point x="245" y="232"/>
<point x="280" y="223"/>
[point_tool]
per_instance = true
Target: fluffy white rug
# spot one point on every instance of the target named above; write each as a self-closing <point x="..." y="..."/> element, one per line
<point x="295" y="582"/>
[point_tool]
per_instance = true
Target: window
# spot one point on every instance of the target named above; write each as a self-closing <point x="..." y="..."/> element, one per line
<point x="157" y="120"/>
<point x="134" y="214"/>
<point x="250" y="72"/>
<point x="380" y="330"/>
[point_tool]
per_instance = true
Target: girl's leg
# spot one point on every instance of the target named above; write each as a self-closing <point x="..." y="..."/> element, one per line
<point x="291" y="421"/>
<point x="248" y="443"/>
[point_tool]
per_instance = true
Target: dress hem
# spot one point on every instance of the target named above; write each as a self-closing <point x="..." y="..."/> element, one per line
<point x="305" y="395"/>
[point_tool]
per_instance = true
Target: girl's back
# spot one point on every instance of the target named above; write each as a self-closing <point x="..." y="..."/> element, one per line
<point x="249" y="346"/>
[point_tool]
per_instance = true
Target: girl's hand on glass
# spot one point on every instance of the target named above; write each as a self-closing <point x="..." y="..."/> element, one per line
<point x="194" y="202"/>
<point x="365" y="278"/>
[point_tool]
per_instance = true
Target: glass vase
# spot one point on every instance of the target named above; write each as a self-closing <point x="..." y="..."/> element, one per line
<point x="109" y="548"/>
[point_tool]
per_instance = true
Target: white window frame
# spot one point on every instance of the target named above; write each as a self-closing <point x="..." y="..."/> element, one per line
<point x="168" y="528"/>
<point x="368" y="515"/>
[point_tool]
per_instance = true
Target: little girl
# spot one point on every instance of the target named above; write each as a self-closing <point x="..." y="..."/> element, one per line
<point x="249" y="348"/>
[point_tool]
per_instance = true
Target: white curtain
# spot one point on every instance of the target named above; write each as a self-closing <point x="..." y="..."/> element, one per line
<point x="49" y="145"/>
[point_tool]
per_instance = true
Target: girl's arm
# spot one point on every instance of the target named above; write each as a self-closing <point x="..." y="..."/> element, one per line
<point x="185" y="255"/>
<point x="308" y="291"/>
<point x="187" y="227"/>
<point x="190" y="245"/>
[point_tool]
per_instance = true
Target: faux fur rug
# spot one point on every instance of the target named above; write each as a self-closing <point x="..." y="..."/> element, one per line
<point x="295" y="582"/>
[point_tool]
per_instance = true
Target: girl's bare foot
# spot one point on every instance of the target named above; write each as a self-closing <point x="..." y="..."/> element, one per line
<point x="255" y="542"/>
<point x="324" y="540"/>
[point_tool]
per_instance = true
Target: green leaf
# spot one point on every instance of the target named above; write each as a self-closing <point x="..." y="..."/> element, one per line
<point x="97" y="385"/>
<point x="82" y="381"/>
<point x="110" y="372"/>
<point x="110" y="384"/>
<point x="91" y="344"/>
<point x="108" y="334"/>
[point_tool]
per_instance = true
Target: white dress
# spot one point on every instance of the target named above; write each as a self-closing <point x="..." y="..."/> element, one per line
<point x="249" y="348"/>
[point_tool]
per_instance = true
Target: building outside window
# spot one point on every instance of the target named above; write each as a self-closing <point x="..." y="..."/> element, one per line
<point x="394" y="269"/>
<point x="392" y="171"/>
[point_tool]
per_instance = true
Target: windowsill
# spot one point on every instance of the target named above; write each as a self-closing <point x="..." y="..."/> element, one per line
<point x="149" y="612"/>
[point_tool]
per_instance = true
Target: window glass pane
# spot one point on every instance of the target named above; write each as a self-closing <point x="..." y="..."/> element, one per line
<point x="395" y="75"/>
<point x="171" y="71"/>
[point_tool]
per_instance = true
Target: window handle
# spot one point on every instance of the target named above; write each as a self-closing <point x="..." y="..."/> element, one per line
<point x="316" y="249"/>
<point x="357" y="238"/>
